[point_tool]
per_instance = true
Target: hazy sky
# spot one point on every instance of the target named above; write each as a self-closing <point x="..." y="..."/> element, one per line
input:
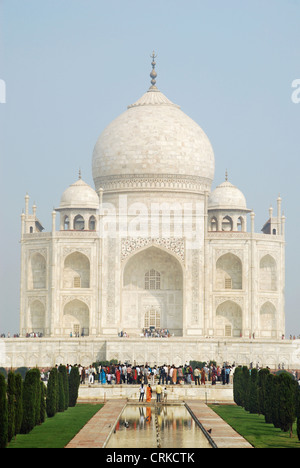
<point x="72" y="66"/>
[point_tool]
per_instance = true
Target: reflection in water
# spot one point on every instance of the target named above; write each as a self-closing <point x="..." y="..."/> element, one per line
<point x="160" y="426"/>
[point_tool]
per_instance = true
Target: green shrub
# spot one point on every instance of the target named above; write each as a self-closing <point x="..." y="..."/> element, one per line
<point x="22" y="371"/>
<point x="262" y="390"/>
<point x="19" y="402"/>
<point x="3" y="413"/>
<point x="11" y="400"/>
<point x="253" y="392"/>
<point x="52" y="393"/>
<point x="61" y="393"/>
<point x="3" y="372"/>
<point x="63" y="371"/>
<point x="238" y="386"/>
<point x="31" y="401"/>
<point x="43" y="403"/>
<point x="287" y="402"/>
<point x="74" y="382"/>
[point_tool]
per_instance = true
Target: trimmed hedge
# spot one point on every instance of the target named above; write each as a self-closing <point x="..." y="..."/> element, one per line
<point x="277" y="397"/>
<point x="3" y="412"/>
<point x="23" y="405"/>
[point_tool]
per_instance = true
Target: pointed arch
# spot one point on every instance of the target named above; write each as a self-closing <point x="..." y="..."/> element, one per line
<point x="153" y="279"/>
<point x="268" y="274"/>
<point x="37" y="277"/>
<point x="229" y="319"/>
<point x="76" y="318"/>
<point x="76" y="272"/>
<point x="229" y="272"/>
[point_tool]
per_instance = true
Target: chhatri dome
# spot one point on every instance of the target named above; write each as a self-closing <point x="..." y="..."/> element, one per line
<point x="153" y="137"/>
<point x="79" y="195"/>
<point x="227" y="196"/>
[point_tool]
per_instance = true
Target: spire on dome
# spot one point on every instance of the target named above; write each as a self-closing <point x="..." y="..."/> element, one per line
<point x="153" y="73"/>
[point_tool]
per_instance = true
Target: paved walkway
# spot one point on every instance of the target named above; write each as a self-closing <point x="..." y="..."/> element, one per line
<point x="98" y="430"/>
<point x="221" y="433"/>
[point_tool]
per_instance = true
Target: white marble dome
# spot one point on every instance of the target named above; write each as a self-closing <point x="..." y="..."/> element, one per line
<point x="79" y="195"/>
<point x="153" y="138"/>
<point x="227" y="196"/>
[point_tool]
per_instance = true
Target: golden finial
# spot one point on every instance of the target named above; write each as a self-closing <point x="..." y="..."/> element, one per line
<point x="79" y="174"/>
<point x="226" y="176"/>
<point x="153" y="73"/>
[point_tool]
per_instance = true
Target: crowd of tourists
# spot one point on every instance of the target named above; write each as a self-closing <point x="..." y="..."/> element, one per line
<point x="149" y="333"/>
<point x="126" y="374"/>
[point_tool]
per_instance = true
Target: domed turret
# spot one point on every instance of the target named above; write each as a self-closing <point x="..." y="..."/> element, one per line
<point x="227" y="196"/>
<point x="78" y="206"/>
<point x="79" y="195"/>
<point x="227" y="208"/>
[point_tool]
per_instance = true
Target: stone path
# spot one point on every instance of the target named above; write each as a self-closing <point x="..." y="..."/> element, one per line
<point x="98" y="430"/>
<point x="221" y="433"/>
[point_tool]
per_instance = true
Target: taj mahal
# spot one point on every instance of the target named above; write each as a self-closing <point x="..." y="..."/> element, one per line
<point x="152" y="246"/>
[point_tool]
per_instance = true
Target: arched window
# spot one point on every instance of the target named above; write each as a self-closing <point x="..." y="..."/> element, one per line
<point x="92" y="223"/>
<point x="214" y="224"/>
<point x="66" y="223"/>
<point x="152" y="280"/>
<point x="241" y="224"/>
<point x="227" y="224"/>
<point x="78" y="223"/>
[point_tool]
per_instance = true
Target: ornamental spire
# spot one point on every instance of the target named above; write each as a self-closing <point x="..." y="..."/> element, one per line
<point x="153" y="73"/>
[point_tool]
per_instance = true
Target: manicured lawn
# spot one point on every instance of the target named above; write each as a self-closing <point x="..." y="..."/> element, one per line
<point x="254" y="429"/>
<point x="58" y="431"/>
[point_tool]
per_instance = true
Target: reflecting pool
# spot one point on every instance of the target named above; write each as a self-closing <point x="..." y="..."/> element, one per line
<point x="157" y="427"/>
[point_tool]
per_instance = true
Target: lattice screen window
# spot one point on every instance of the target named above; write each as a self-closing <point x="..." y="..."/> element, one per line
<point x="228" y="283"/>
<point x="77" y="282"/>
<point x="76" y="329"/>
<point x="152" y="319"/>
<point x="228" y="330"/>
<point x="152" y="280"/>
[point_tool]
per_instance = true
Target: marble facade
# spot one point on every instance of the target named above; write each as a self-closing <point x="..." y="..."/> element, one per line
<point x="152" y="245"/>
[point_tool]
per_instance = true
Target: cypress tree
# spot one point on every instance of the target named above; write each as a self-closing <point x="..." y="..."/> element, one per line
<point x="19" y="402"/>
<point x="262" y="383"/>
<point x="268" y="405"/>
<point x="61" y="393"/>
<point x="37" y="395"/>
<point x="63" y="371"/>
<point x="275" y="402"/>
<point x="74" y="381"/>
<point x="11" y="399"/>
<point x="3" y="413"/>
<point x="287" y="402"/>
<point x="253" y="392"/>
<point x="245" y="387"/>
<point x="238" y="386"/>
<point x="298" y="411"/>
<point x="52" y="393"/>
<point x="43" y="402"/>
<point x="29" y="401"/>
